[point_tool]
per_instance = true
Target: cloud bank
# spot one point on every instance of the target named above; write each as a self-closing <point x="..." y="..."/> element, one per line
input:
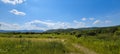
<point x="41" y="25"/>
<point x="49" y="24"/>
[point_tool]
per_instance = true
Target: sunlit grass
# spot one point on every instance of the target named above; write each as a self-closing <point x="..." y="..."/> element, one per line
<point x="23" y="46"/>
<point x="102" y="46"/>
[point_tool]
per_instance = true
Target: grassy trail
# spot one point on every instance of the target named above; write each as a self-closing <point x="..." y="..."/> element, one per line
<point x="84" y="49"/>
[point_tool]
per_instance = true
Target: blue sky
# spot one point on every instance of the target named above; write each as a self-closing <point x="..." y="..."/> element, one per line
<point x="55" y="14"/>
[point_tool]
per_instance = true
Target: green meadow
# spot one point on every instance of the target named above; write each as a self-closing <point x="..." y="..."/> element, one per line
<point x="68" y="41"/>
<point x="15" y="44"/>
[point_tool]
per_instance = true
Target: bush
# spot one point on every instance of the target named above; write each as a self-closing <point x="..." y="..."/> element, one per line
<point x="91" y="33"/>
<point x="78" y="35"/>
<point x="117" y="33"/>
<point x="20" y="36"/>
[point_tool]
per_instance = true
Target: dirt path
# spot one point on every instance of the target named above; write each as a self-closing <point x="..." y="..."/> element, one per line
<point x="84" y="49"/>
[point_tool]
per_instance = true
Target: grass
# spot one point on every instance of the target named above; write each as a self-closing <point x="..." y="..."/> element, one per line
<point x="53" y="44"/>
<point x="102" y="46"/>
<point x="23" y="46"/>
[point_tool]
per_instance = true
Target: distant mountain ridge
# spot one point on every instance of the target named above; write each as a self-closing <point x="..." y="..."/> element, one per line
<point x="79" y="29"/>
<point x="21" y="31"/>
<point x="58" y="30"/>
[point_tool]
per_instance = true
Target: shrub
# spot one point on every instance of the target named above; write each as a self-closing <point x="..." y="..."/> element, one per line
<point x="117" y="33"/>
<point x="78" y="35"/>
<point x="91" y="33"/>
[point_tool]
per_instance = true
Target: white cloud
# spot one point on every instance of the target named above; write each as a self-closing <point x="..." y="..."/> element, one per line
<point x="101" y="22"/>
<point x="41" y="25"/>
<point x="83" y="19"/>
<point x="91" y="18"/>
<point x="107" y="21"/>
<point x="97" y="22"/>
<point x="7" y="26"/>
<point x="79" y="24"/>
<point x="16" y="12"/>
<point x="37" y="24"/>
<point x="13" y="2"/>
<point x="46" y="25"/>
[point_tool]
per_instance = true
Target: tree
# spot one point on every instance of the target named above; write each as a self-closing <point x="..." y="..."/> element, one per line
<point x="78" y="35"/>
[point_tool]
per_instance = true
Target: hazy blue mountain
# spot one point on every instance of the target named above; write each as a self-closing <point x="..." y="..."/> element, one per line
<point x="79" y="29"/>
<point x="21" y="31"/>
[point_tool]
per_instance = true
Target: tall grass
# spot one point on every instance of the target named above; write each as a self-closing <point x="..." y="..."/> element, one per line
<point x="23" y="46"/>
<point x="28" y="43"/>
<point x="102" y="45"/>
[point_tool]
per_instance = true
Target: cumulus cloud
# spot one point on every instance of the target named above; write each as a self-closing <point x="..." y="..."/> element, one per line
<point x="79" y="24"/>
<point x="102" y="22"/>
<point x="91" y="18"/>
<point x="41" y="25"/>
<point x="8" y="26"/>
<point x="37" y="24"/>
<point x="107" y="21"/>
<point x="16" y="12"/>
<point x="83" y="19"/>
<point x="13" y="2"/>
<point x="46" y="25"/>
<point x="97" y="22"/>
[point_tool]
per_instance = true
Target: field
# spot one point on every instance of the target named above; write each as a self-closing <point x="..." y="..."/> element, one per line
<point x="36" y="44"/>
<point x="23" y="46"/>
<point x="78" y="42"/>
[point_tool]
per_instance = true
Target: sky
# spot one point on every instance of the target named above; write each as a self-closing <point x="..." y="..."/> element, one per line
<point x="58" y="14"/>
